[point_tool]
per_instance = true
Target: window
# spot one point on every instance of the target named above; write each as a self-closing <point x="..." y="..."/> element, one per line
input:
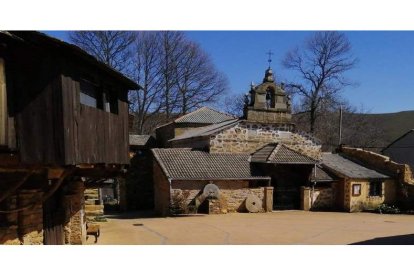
<point x="375" y="188"/>
<point x="356" y="189"/>
<point x="111" y="104"/>
<point x="90" y="95"/>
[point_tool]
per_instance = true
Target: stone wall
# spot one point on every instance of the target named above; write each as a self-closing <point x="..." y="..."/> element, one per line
<point x="248" y="137"/>
<point x="232" y="194"/>
<point x="31" y="219"/>
<point x="75" y="219"/>
<point x="364" y="201"/>
<point x="381" y="162"/>
<point x="26" y="226"/>
<point x="93" y="204"/>
<point x="161" y="191"/>
<point x="322" y="198"/>
<point x="268" y="116"/>
<point x="319" y="198"/>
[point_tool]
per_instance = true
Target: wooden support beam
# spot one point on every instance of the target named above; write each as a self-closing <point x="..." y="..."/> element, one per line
<point x="55" y="173"/>
<point x="17" y="185"/>
<point x="59" y="182"/>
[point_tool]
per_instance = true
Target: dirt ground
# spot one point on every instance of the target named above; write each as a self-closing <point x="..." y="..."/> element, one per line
<point x="286" y="227"/>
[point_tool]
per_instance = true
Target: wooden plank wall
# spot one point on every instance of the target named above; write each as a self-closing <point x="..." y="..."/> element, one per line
<point x="37" y="107"/>
<point x="92" y="135"/>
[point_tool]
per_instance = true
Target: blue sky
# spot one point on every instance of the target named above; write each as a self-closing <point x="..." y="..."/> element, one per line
<point x="385" y="72"/>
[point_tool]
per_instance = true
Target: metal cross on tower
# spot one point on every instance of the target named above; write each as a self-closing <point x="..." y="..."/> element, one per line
<point x="270" y="53"/>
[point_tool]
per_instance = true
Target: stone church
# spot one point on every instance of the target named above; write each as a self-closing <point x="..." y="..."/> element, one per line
<point x="254" y="163"/>
<point x="211" y="162"/>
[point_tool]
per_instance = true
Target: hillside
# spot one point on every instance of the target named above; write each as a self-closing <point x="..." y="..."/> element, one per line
<point x="393" y="125"/>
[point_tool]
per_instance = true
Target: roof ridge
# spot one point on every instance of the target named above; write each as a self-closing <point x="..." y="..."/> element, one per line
<point x="214" y="128"/>
<point x="191" y="113"/>
<point x="295" y="151"/>
<point x="179" y="119"/>
<point x="397" y="139"/>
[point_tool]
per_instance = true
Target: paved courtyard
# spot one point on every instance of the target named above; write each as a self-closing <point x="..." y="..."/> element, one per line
<point x="287" y="227"/>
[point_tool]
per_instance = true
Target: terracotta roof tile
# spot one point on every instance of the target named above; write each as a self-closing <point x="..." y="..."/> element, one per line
<point x="204" y="115"/>
<point x="280" y="154"/>
<point x="181" y="163"/>
<point x="348" y="168"/>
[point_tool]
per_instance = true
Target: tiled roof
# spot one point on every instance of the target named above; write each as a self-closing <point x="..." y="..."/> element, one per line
<point x="138" y="140"/>
<point x="206" y="131"/>
<point x="348" y="168"/>
<point x="321" y="175"/>
<point x="280" y="154"/>
<point x="204" y="115"/>
<point x="182" y="163"/>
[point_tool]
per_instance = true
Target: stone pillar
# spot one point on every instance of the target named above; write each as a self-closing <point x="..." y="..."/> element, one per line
<point x="75" y="228"/>
<point x="30" y="220"/>
<point x="268" y="199"/>
<point x="305" y="198"/>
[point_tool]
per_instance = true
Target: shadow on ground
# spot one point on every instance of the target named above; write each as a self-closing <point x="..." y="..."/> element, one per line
<point x="147" y="214"/>
<point x="392" y="240"/>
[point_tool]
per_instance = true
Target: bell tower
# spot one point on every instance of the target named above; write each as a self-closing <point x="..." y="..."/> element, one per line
<point x="268" y="102"/>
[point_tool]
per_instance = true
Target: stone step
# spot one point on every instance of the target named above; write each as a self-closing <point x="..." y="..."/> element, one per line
<point x="93" y="207"/>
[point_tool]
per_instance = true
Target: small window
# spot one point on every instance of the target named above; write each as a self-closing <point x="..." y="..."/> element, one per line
<point x="90" y="94"/>
<point x="111" y="103"/>
<point x="375" y="188"/>
<point x="356" y="189"/>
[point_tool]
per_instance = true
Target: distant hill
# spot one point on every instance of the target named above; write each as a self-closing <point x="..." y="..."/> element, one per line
<point x="393" y="125"/>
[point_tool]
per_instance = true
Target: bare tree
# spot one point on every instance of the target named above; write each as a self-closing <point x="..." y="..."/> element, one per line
<point x="234" y="104"/>
<point x="321" y="65"/>
<point x="175" y="74"/>
<point x="171" y="52"/>
<point x="147" y="72"/>
<point x="198" y="82"/>
<point x="111" y="47"/>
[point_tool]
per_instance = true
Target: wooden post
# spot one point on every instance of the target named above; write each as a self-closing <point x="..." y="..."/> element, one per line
<point x="3" y="104"/>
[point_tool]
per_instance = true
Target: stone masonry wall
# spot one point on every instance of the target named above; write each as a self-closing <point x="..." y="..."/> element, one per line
<point x="161" y="191"/>
<point x="248" y="137"/>
<point x="231" y="200"/>
<point x="31" y="219"/>
<point x="9" y="222"/>
<point x="74" y="202"/>
<point x="26" y="226"/>
<point x="382" y="162"/>
<point x="265" y="116"/>
<point x="364" y="201"/>
<point x="322" y="198"/>
<point x="93" y="205"/>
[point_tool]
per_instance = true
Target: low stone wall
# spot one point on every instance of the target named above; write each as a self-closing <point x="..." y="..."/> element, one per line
<point x="381" y="162"/>
<point x="247" y="137"/>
